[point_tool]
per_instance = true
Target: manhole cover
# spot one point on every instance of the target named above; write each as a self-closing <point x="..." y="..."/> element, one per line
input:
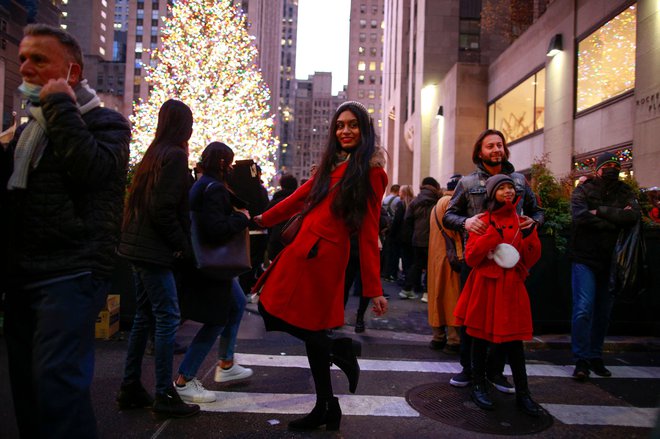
<point x="453" y="406"/>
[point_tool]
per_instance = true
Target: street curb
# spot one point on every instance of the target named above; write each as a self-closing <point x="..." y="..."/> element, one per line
<point x="539" y="342"/>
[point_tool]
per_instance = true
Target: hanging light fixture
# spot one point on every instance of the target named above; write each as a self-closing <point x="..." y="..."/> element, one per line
<point x="555" y="46"/>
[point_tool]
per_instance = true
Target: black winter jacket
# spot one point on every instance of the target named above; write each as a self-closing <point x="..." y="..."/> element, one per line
<point x="67" y="220"/>
<point x="593" y="237"/>
<point x="469" y="195"/>
<point x="419" y="212"/>
<point x="163" y="230"/>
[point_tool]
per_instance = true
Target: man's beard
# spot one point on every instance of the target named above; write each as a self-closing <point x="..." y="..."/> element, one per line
<point x="489" y="162"/>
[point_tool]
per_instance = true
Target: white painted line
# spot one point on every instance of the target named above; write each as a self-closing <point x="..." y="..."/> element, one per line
<point x="603" y="415"/>
<point x="287" y="403"/>
<point x="544" y="370"/>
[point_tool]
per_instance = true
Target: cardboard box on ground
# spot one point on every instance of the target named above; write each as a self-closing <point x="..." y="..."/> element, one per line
<point x="107" y="323"/>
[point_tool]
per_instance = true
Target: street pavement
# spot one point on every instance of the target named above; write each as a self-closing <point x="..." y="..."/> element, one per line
<point x="395" y="359"/>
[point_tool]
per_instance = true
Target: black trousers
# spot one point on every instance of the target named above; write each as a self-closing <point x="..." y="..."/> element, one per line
<point x="516" y="354"/>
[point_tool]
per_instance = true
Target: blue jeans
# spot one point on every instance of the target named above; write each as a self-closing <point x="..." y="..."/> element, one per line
<point x="592" y="305"/>
<point x="157" y="305"/>
<point x="50" y="344"/>
<point x="208" y="333"/>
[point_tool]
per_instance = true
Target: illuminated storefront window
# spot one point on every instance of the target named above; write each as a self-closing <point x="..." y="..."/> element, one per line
<point x="606" y="60"/>
<point x="520" y="112"/>
<point x="585" y="164"/>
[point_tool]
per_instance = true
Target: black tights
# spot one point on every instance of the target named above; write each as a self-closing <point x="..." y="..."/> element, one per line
<point x="318" y="346"/>
<point x="514" y="350"/>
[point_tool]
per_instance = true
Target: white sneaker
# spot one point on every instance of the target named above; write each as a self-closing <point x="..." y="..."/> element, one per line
<point x="193" y="391"/>
<point x="425" y="297"/>
<point x="405" y="294"/>
<point x="235" y="372"/>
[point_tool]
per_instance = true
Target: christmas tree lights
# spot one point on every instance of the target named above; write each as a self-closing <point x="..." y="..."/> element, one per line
<point x="207" y="60"/>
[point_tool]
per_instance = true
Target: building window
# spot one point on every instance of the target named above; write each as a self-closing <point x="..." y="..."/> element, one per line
<point x="520" y="111"/>
<point x="372" y="94"/>
<point x="363" y="37"/>
<point x="362" y="66"/>
<point x="374" y="24"/>
<point x="360" y="94"/>
<point x="606" y="61"/>
<point x="363" y="9"/>
<point x="373" y="51"/>
<point x="373" y="37"/>
<point x="372" y="80"/>
<point x="361" y="79"/>
<point x="361" y="50"/>
<point x="372" y="66"/>
<point x="363" y="24"/>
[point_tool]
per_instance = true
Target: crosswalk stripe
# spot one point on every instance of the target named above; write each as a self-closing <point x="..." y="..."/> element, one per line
<point x="291" y="403"/>
<point x="603" y="415"/>
<point x="542" y="370"/>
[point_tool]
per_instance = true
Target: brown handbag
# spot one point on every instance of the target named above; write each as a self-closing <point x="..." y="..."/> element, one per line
<point x="290" y="228"/>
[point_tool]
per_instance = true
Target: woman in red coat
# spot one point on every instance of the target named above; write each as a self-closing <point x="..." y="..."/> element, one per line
<point x="494" y="305"/>
<point x="302" y="292"/>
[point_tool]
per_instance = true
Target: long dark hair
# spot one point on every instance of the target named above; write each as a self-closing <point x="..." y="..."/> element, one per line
<point x="216" y="161"/>
<point x="174" y="128"/>
<point x="350" y="204"/>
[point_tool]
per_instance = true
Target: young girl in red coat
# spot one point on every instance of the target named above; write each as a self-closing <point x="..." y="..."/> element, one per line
<point x="494" y="305"/>
<point x="302" y="292"/>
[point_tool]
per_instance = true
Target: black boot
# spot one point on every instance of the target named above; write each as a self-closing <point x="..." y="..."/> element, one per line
<point x="133" y="396"/>
<point x="344" y="354"/>
<point x="326" y="412"/>
<point x="479" y="395"/>
<point x="525" y="403"/>
<point x="359" y="324"/>
<point x="170" y="404"/>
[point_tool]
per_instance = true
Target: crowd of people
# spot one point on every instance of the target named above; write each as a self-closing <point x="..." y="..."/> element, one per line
<point x="466" y="252"/>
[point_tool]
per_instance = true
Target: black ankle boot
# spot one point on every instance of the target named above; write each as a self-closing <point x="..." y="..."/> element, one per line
<point x="133" y="396"/>
<point x="344" y="354"/>
<point x="525" y="403"/>
<point x="479" y="395"/>
<point x="359" y="324"/>
<point x="326" y="412"/>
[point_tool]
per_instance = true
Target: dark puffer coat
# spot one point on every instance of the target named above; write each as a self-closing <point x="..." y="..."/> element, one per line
<point x="163" y="230"/>
<point x="419" y="211"/>
<point x="67" y="220"/>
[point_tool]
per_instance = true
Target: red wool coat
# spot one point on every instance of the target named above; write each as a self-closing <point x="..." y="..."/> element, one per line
<point x="494" y="304"/>
<point x="307" y="290"/>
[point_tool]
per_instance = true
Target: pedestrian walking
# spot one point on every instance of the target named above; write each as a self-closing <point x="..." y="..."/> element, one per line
<point x="491" y="157"/>
<point x="62" y="180"/>
<point x="302" y="291"/>
<point x="494" y="304"/>
<point x="218" y="304"/>
<point x="601" y="207"/>
<point x="155" y="237"/>
<point x="443" y="281"/>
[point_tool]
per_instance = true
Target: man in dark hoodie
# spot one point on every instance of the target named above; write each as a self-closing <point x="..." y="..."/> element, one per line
<point x="418" y="213"/>
<point x="491" y="155"/>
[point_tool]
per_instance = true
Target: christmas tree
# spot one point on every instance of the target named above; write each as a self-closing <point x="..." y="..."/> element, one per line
<point x="206" y="60"/>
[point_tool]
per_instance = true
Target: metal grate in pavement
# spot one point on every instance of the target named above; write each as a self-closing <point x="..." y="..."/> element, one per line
<point x="452" y="406"/>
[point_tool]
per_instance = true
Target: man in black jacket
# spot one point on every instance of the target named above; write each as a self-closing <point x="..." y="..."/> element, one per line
<point x="62" y="196"/>
<point x="600" y="208"/>
<point x="491" y="155"/>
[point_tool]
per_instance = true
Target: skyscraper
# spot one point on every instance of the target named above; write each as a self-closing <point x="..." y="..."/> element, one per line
<point x="365" y="59"/>
<point x="287" y="114"/>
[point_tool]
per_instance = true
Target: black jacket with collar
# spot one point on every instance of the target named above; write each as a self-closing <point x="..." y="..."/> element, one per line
<point x="469" y="195"/>
<point x="593" y="237"/>
<point x="67" y="220"/>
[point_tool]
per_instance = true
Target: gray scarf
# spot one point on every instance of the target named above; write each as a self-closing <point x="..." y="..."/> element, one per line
<point x="32" y="143"/>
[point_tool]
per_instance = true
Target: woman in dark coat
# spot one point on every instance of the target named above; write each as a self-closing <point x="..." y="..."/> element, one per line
<point x="302" y="292"/>
<point x="156" y="235"/>
<point x="219" y="304"/>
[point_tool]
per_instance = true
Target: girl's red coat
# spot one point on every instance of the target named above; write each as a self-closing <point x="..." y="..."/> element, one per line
<point x="494" y="304"/>
<point x="307" y="289"/>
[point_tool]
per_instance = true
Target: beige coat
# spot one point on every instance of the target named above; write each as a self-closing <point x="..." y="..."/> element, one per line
<point x="443" y="283"/>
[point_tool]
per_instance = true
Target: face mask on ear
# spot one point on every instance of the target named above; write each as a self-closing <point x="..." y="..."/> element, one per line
<point x="610" y="174"/>
<point x="30" y="92"/>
